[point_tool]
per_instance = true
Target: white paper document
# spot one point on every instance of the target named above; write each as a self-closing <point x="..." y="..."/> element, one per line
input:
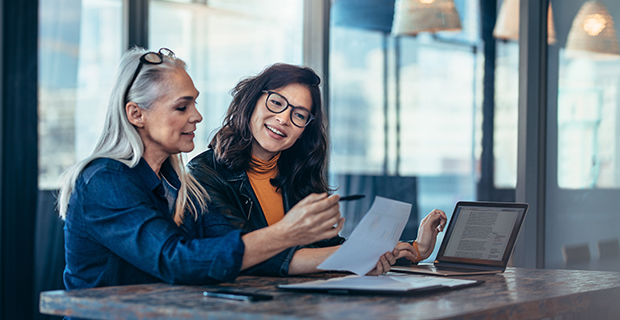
<point x="392" y="282"/>
<point x="376" y="234"/>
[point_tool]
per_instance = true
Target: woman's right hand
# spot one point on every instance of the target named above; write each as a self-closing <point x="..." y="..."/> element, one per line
<point x="314" y="218"/>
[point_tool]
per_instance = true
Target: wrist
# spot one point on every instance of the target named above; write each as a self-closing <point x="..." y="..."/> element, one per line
<point x="419" y="256"/>
<point x="280" y="235"/>
<point x="426" y="249"/>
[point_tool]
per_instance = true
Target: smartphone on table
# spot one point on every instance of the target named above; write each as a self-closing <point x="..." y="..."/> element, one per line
<point x="236" y="295"/>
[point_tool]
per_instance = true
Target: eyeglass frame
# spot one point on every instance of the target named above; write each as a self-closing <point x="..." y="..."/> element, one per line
<point x="166" y="53"/>
<point x="288" y="104"/>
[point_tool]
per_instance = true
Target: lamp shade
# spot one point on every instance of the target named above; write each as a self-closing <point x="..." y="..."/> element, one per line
<point x="414" y="16"/>
<point x="593" y="31"/>
<point x="507" y="24"/>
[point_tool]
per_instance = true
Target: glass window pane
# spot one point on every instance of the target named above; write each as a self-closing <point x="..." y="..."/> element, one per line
<point x="357" y="117"/>
<point x="223" y="42"/>
<point x="506" y="117"/>
<point x="402" y="111"/>
<point x="583" y="159"/>
<point x="588" y="101"/>
<point x="437" y="135"/>
<point x="79" y="41"/>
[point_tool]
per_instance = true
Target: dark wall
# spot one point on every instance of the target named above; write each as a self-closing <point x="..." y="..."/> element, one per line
<point x="49" y="253"/>
<point x="18" y="167"/>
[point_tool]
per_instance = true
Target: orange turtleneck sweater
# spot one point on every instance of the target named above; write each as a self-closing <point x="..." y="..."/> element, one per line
<point x="270" y="200"/>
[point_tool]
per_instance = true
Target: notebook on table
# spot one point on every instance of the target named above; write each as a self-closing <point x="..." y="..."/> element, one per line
<point x="479" y="239"/>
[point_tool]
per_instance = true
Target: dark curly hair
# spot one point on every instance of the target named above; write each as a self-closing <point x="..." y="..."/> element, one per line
<point x="302" y="166"/>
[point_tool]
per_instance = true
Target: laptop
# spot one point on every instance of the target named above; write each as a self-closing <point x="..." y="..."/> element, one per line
<point x="479" y="240"/>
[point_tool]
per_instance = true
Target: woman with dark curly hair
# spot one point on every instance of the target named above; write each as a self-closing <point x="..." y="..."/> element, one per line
<point x="269" y="159"/>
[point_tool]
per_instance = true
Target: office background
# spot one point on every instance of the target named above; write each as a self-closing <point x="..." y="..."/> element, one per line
<point x="430" y="118"/>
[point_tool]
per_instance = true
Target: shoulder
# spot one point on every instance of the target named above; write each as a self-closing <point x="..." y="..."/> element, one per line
<point x="103" y="173"/>
<point x="207" y="158"/>
<point x="107" y="183"/>
<point x="101" y="166"/>
<point x="204" y="169"/>
<point x="205" y="164"/>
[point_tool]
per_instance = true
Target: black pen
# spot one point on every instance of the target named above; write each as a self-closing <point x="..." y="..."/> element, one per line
<point x="352" y="197"/>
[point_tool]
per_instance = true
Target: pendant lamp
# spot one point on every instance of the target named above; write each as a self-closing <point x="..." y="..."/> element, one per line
<point x="414" y="16"/>
<point x="593" y="31"/>
<point x="507" y="24"/>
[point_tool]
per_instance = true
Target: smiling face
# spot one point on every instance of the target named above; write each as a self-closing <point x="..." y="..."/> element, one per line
<point x="168" y="127"/>
<point x="274" y="132"/>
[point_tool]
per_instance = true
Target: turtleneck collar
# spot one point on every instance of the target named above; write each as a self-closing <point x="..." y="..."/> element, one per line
<point x="261" y="166"/>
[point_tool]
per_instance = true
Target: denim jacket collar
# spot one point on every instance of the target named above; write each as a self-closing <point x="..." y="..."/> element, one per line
<point x="152" y="181"/>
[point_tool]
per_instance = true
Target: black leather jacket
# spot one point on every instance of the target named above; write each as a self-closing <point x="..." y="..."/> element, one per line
<point x="232" y="194"/>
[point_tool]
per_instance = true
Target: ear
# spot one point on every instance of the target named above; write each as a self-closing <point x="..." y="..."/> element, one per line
<point x="135" y="115"/>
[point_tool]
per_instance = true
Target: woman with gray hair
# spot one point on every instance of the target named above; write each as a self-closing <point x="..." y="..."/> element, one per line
<point x="133" y="215"/>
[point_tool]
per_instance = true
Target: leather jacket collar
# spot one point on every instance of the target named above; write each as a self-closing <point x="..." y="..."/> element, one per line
<point x="231" y="192"/>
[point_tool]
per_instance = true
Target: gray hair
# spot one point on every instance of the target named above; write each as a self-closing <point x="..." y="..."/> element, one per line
<point x="119" y="139"/>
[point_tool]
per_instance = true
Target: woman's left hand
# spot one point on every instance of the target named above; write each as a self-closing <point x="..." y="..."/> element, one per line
<point x="402" y="250"/>
<point x="430" y="227"/>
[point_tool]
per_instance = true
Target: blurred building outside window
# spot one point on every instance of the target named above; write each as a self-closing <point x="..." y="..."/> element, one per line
<point x="405" y="109"/>
<point x="506" y="114"/>
<point x="224" y="41"/>
<point x="80" y="44"/>
<point x="588" y="122"/>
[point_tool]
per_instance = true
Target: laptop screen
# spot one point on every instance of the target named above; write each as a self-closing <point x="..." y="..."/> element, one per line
<point x="482" y="233"/>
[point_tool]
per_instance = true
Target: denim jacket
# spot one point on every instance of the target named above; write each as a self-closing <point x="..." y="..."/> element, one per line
<point x="119" y="231"/>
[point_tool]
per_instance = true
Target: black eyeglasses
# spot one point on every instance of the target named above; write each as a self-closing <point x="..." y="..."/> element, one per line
<point x="148" y="58"/>
<point x="276" y="103"/>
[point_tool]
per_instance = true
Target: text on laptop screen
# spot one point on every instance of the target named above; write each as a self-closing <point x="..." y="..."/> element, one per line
<point x="482" y="232"/>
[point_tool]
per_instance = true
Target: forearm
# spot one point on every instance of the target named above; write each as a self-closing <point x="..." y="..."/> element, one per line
<point x="262" y="244"/>
<point x="306" y="260"/>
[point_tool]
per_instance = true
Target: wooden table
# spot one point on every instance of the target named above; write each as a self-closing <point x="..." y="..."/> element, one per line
<point x="515" y="294"/>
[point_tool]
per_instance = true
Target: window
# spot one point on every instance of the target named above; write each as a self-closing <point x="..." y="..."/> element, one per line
<point x="81" y="44"/>
<point x="588" y="122"/>
<point x="583" y="159"/>
<point x="506" y="114"/>
<point x="79" y="41"/>
<point x="223" y="42"/>
<point x="403" y="111"/>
